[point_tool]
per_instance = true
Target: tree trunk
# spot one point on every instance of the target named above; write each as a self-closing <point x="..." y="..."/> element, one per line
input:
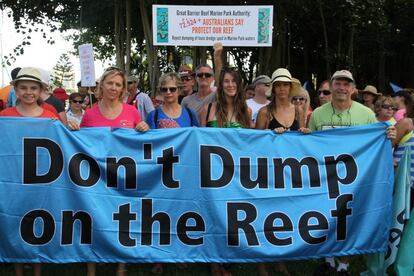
<point x="153" y="64"/>
<point x="128" y="10"/>
<point x="117" y="33"/>
<point x="325" y="37"/>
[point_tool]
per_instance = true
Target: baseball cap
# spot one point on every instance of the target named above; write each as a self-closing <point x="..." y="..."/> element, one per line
<point x="343" y="74"/>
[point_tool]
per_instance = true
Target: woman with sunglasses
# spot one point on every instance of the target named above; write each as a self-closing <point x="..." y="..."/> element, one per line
<point x="171" y="114"/>
<point x="324" y="93"/>
<point x="230" y="109"/>
<point x="280" y="114"/>
<point x="302" y="101"/>
<point x="384" y="109"/>
<point x="75" y="111"/>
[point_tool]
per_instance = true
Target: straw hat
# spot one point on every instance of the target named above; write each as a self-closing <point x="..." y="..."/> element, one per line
<point x="371" y="90"/>
<point x="282" y="74"/>
<point x="30" y="74"/>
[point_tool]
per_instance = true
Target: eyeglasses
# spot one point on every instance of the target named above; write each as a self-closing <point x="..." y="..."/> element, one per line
<point x="204" y="75"/>
<point x="325" y="92"/>
<point x="79" y="102"/>
<point x="388" y="107"/>
<point x="301" y="99"/>
<point x="130" y="82"/>
<point x="186" y="78"/>
<point x="166" y="89"/>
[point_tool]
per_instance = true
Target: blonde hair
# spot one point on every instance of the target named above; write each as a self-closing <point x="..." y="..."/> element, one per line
<point x="112" y="72"/>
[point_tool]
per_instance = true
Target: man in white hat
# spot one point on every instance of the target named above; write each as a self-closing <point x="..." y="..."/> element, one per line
<point x="342" y="112"/>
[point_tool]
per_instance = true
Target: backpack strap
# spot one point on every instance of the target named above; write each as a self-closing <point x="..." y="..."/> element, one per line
<point x="208" y="111"/>
<point x="190" y="115"/>
<point x="156" y="118"/>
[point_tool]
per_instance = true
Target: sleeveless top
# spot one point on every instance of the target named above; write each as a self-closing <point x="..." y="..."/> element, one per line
<point x="214" y="123"/>
<point x="275" y="124"/>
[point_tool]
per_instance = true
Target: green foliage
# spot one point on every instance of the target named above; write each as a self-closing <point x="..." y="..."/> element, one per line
<point x="62" y="71"/>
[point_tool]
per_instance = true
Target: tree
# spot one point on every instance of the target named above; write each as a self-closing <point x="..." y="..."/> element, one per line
<point x="62" y="71"/>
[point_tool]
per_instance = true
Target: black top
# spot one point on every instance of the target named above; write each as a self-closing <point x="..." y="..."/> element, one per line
<point x="275" y="124"/>
<point x="57" y="104"/>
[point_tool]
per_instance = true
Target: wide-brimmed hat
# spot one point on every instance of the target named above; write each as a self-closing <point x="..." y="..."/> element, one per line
<point x="30" y="74"/>
<point x="343" y="74"/>
<point x="282" y="74"/>
<point x="371" y="90"/>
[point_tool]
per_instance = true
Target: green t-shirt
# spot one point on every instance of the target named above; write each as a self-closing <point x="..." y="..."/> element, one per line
<point x="326" y="117"/>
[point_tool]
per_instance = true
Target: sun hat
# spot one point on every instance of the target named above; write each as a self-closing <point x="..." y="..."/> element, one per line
<point x="282" y="74"/>
<point x="30" y="74"/>
<point x="371" y="90"/>
<point x="343" y="74"/>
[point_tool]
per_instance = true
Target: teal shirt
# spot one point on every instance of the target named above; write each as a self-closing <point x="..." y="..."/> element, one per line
<point x="325" y="117"/>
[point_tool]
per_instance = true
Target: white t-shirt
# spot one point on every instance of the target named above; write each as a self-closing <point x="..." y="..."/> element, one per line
<point x="255" y="107"/>
<point x="144" y="104"/>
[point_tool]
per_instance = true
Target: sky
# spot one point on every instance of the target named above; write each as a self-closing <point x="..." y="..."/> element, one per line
<point x="39" y="53"/>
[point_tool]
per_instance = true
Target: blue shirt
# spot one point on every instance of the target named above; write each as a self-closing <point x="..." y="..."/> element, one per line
<point x="164" y="121"/>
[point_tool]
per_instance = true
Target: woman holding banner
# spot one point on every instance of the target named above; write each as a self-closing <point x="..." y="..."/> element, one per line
<point x="229" y="111"/>
<point x="28" y="86"/>
<point x="171" y="114"/>
<point x="111" y="112"/>
<point x="280" y="114"/>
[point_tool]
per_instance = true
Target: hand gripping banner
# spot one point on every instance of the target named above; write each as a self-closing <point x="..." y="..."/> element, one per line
<point x="191" y="194"/>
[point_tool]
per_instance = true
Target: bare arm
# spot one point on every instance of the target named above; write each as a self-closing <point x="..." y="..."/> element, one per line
<point x="262" y="120"/>
<point x="218" y="60"/>
<point x="403" y="126"/>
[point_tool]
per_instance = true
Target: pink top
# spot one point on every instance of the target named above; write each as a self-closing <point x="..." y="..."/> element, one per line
<point x="128" y="118"/>
<point x="399" y="114"/>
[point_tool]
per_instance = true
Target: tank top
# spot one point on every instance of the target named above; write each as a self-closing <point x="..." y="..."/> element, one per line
<point x="275" y="124"/>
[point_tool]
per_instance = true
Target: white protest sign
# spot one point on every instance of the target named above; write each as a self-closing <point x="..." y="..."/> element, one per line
<point x="87" y="65"/>
<point x="204" y="25"/>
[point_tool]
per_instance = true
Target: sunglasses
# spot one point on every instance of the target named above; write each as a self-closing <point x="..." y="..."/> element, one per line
<point x="204" y="75"/>
<point x="186" y="78"/>
<point x="388" y="107"/>
<point x="166" y="89"/>
<point x="325" y="92"/>
<point x="294" y="99"/>
<point x="79" y="102"/>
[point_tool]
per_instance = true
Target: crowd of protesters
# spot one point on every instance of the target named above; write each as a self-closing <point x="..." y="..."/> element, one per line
<point x="278" y="103"/>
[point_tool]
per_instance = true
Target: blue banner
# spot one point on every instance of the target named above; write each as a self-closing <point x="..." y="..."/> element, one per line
<point x="191" y="194"/>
